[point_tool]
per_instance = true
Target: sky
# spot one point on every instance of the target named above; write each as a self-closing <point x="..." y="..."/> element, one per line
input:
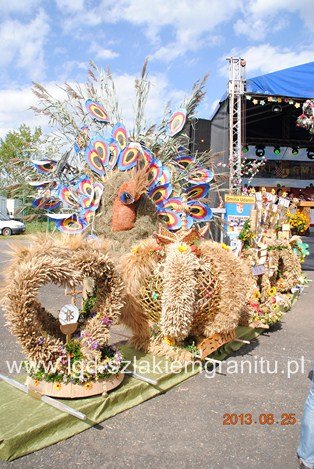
<point x="52" y="41"/>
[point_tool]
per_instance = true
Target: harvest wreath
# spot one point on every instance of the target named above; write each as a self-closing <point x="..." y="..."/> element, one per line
<point x="183" y="291"/>
<point x="77" y="364"/>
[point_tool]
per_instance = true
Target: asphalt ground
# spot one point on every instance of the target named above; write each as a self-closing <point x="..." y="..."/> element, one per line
<point x="184" y="428"/>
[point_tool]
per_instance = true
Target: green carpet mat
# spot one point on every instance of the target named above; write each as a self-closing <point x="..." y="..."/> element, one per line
<point x="27" y="425"/>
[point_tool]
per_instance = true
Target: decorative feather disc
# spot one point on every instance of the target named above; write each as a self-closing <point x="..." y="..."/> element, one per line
<point x="172" y="220"/>
<point x="201" y="175"/>
<point x="44" y="166"/>
<point x="67" y="196"/>
<point x="197" y="192"/>
<point x="154" y="172"/>
<point x="160" y="193"/>
<point x="176" y="122"/>
<point x="165" y="177"/>
<point x="128" y="158"/>
<point x="175" y="203"/>
<point x="145" y="159"/>
<point x="199" y="211"/>
<point x="98" y="191"/>
<point x="120" y="135"/>
<point x="94" y="161"/>
<point x="73" y="225"/>
<point x="96" y="111"/>
<point x="184" y="160"/>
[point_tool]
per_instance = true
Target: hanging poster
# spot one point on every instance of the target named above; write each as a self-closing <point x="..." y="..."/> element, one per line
<point x="238" y="210"/>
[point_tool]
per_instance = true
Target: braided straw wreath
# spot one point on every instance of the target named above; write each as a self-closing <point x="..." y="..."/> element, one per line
<point x="66" y="262"/>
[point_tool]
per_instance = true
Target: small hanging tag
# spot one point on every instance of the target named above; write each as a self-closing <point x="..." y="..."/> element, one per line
<point x="69" y="314"/>
<point x="258" y="269"/>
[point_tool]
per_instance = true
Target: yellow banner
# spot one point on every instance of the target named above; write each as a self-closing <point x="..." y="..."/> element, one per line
<point x="240" y="199"/>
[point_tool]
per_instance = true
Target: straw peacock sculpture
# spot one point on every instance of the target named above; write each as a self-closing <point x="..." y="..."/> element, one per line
<point x="143" y="189"/>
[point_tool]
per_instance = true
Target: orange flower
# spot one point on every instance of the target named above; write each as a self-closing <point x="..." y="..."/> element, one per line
<point x="88" y="385"/>
<point x="169" y="341"/>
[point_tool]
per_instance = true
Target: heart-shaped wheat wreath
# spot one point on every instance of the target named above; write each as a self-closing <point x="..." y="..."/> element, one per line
<point x="66" y="262"/>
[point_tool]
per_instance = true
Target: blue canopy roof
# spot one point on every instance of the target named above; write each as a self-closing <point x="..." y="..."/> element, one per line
<point x="294" y="82"/>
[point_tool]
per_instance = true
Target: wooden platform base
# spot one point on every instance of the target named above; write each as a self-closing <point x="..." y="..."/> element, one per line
<point x="211" y="344"/>
<point x="74" y="391"/>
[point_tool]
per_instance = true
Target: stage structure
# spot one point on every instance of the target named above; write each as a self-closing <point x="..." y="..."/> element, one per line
<point x="236" y="86"/>
<point x="256" y="120"/>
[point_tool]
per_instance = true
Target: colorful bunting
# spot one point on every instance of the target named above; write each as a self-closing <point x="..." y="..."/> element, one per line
<point x="272" y="99"/>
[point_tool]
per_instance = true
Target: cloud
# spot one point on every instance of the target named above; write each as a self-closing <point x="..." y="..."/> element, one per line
<point x="266" y="58"/>
<point x="260" y="17"/>
<point x="73" y="69"/>
<point x="20" y="7"/>
<point x="161" y="92"/>
<point x="189" y="28"/>
<point x="173" y="50"/>
<point x="72" y="6"/>
<point x="22" y="45"/>
<point x="100" y="53"/>
<point x="255" y="29"/>
<point x="19" y="100"/>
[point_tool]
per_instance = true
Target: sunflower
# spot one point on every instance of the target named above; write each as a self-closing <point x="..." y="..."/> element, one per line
<point x="88" y="385"/>
<point x="57" y="386"/>
<point x="256" y="295"/>
<point x="272" y="291"/>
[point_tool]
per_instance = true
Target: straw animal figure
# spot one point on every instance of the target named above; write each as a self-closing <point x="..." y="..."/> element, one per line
<point x="185" y="289"/>
<point x="124" y="205"/>
<point x="126" y="214"/>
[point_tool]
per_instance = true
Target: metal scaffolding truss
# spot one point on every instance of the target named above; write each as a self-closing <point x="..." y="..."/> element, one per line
<point x="236" y="88"/>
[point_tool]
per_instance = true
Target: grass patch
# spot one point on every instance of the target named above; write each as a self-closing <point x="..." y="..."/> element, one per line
<point x="37" y="226"/>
